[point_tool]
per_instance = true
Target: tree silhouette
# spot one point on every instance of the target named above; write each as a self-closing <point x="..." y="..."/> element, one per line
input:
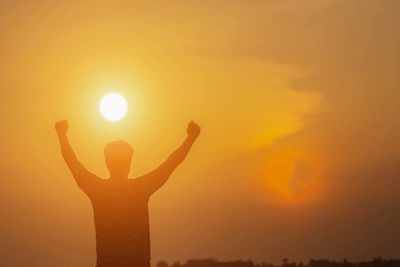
<point x="376" y="262"/>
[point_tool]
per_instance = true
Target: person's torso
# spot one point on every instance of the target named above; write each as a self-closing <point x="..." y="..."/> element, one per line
<point x="121" y="221"/>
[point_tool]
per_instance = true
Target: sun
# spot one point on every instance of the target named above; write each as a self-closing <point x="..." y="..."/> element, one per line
<point x="113" y="107"/>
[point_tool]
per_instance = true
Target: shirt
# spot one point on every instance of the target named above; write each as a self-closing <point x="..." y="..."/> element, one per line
<point x="121" y="218"/>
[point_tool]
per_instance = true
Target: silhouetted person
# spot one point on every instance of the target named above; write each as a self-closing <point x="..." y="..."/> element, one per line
<point x="120" y="204"/>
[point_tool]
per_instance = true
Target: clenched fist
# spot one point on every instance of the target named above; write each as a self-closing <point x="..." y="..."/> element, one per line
<point x="193" y="130"/>
<point x="61" y="127"/>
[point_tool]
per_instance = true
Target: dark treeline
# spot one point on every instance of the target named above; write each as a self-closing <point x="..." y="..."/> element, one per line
<point x="376" y="262"/>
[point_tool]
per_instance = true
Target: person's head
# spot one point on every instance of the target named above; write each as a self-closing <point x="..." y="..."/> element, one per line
<point x="118" y="157"/>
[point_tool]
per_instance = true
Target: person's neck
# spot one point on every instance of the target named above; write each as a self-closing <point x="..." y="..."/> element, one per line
<point x="118" y="178"/>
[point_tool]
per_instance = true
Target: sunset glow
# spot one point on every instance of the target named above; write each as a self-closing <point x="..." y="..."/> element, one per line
<point x="298" y="104"/>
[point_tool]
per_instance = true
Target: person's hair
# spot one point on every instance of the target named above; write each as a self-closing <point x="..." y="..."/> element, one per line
<point x="118" y="150"/>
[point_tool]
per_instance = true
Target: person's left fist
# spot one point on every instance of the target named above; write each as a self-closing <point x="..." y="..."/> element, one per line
<point x="193" y="130"/>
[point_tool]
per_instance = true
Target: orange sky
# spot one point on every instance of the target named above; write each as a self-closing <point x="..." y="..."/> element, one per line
<point x="298" y="104"/>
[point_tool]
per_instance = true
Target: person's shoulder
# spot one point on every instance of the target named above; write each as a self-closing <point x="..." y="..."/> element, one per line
<point x="138" y="186"/>
<point x="88" y="174"/>
<point x="102" y="180"/>
<point x="139" y="180"/>
<point x="136" y="179"/>
<point x="97" y="180"/>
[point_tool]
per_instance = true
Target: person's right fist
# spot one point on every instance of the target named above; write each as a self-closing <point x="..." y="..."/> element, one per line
<point x="61" y="127"/>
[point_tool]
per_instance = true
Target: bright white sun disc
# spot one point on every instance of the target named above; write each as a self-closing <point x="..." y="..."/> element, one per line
<point x="113" y="107"/>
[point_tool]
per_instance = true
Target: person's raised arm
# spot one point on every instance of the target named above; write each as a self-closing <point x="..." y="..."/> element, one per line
<point x="82" y="176"/>
<point x="159" y="176"/>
